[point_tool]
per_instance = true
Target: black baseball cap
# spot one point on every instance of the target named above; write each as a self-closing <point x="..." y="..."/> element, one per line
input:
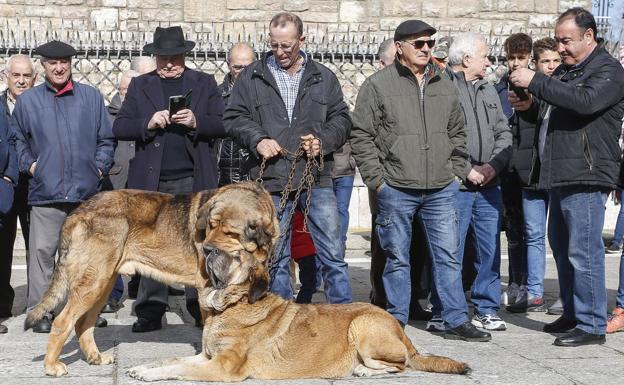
<point x="412" y="27"/>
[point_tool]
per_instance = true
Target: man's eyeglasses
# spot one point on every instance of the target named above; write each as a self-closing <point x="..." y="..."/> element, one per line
<point x="419" y="44"/>
<point x="238" y="67"/>
<point x="285" y="47"/>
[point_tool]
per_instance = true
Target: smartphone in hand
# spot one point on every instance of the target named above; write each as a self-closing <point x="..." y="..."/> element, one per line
<point x="519" y="91"/>
<point x="179" y="102"/>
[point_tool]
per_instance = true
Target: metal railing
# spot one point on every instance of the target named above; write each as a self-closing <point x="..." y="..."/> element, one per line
<point x="350" y="54"/>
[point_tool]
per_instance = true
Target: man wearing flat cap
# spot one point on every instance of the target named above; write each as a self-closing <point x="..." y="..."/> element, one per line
<point x="65" y="143"/>
<point x="174" y="151"/>
<point x="409" y="143"/>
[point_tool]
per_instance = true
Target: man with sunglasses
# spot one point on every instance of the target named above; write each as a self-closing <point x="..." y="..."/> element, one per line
<point x="276" y="102"/>
<point x="409" y="143"/>
<point x="578" y="160"/>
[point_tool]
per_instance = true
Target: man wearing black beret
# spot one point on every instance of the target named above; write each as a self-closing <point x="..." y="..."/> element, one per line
<point x="409" y="143"/>
<point x="65" y="143"/>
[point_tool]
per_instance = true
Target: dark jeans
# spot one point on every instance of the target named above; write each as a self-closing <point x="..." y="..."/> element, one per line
<point x="343" y="187"/>
<point x="153" y="297"/>
<point x="513" y="225"/>
<point x="8" y="232"/>
<point x="575" y="225"/>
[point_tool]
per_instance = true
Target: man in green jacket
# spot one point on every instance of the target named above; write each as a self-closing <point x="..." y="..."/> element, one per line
<point x="409" y="143"/>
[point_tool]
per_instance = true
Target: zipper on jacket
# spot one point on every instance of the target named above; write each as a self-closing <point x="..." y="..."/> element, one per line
<point x="587" y="152"/>
<point x="58" y="133"/>
<point x="476" y="114"/>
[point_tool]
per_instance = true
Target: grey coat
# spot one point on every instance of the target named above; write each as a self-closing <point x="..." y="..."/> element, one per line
<point x="488" y="136"/>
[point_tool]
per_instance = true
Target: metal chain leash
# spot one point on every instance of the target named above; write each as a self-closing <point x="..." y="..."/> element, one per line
<point x="306" y="183"/>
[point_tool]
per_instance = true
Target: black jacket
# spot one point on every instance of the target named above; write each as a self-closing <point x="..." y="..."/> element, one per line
<point x="144" y="98"/>
<point x="587" y="101"/>
<point x="256" y="111"/>
<point x="525" y="135"/>
<point x="233" y="159"/>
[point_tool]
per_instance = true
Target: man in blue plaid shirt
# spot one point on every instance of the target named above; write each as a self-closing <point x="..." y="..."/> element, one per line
<point x="275" y="104"/>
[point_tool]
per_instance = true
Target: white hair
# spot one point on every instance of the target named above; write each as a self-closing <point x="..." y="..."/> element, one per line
<point x="386" y="50"/>
<point x="464" y="44"/>
<point x="10" y="60"/>
<point x="143" y="64"/>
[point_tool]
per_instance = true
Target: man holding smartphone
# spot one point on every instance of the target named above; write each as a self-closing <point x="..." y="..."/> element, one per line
<point x="174" y="151"/>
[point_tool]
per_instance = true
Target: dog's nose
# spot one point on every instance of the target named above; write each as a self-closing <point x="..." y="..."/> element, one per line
<point x="208" y="250"/>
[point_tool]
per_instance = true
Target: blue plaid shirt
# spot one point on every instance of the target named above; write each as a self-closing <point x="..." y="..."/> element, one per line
<point x="287" y="84"/>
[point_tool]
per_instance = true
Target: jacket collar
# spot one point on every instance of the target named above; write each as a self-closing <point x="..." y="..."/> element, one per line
<point x="311" y="70"/>
<point x="431" y="71"/>
<point x="460" y="76"/>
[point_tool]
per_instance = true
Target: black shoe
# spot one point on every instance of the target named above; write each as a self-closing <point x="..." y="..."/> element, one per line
<point x="560" y="325"/>
<point x="467" y="332"/>
<point x="142" y="325"/>
<point x="578" y="337"/>
<point x="112" y="306"/>
<point x="527" y="305"/>
<point x="101" y="322"/>
<point x="43" y="326"/>
<point x="613" y="248"/>
<point x="175" y="292"/>
<point x="3" y="329"/>
<point x="417" y="313"/>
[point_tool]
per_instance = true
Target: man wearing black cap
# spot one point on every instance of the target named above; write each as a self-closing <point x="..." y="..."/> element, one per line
<point x="409" y="142"/>
<point x="173" y="152"/>
<point x="65" y="143"/>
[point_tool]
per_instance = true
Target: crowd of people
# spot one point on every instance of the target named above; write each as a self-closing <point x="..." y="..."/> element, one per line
<point x="451" y="158"/>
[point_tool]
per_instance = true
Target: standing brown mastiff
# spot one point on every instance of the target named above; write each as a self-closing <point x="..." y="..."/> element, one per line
<point x="156" y="235"/>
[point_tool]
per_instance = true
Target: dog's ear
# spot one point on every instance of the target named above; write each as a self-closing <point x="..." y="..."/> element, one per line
<point x="259" y="284"/>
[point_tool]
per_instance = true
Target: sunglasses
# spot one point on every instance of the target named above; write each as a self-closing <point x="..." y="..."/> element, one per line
<point x="419" y="44"/>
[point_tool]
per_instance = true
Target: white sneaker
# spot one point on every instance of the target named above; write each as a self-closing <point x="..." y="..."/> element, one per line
<point x="510" y="295"/>
<point x="489" y="322"/>
<point x="435" y="324"/>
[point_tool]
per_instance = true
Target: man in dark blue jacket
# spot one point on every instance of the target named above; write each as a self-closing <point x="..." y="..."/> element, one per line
<point x="275" y="104"/>
<point x="8" y="182"/>
<point x="578" y="159"/>
<point x="174" y="152"/>
<point x="65" y="143"/>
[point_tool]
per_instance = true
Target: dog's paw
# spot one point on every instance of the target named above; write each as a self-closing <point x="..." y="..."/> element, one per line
<point x="56" y="369"/>
<point x="146" y="373"/>
<point x="362" y="371"/>
<point x="101" y="359"/>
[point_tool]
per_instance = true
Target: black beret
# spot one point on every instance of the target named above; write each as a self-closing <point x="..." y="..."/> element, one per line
<point x="55" y="49"/>
<point x="412" y="27"/>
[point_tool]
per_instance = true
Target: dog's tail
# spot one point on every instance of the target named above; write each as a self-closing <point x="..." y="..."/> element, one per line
<point x="56" y="291"/>
<point x="437" y="364"/>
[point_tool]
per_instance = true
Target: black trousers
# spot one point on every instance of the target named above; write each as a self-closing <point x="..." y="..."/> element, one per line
<point x="153" y="297"/>
<point x="8" y="231"/>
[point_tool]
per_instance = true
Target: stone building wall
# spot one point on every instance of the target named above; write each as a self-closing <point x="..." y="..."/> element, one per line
<point x="240" y="19"/>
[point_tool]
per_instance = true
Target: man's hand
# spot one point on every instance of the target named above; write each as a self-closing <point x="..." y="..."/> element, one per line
<point x="185" y="117"/>
<point x="521" y="77"/>
<point x="160" y="119"/>
<point x="311" y="145"/>
<point x="517" y="104"/>
<point x="32" y="168"/>
<point x="488" y="173"/>
<point x="268" y="148"/>
<point x="474" y="176"/>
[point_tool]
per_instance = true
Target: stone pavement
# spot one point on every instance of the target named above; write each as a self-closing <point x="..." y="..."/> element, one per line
<point x="521" y="355"/>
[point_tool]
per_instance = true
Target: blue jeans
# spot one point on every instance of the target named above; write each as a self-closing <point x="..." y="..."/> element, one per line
<point x="535" y="208"/>
<point x="323" y="224"/>
<point x="618" y="233"/>
<point x="343" y="186"/>
<point x="436" y="211"/>
<point x="481" y="211"/>
<point x="575" y="235"/>
<point x="118" y="289"/>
